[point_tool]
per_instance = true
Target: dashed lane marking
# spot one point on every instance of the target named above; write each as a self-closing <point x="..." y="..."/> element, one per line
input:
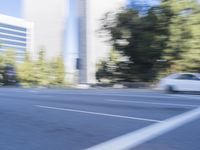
<point x="98" y="113"/>
<point x="153" y="103"/>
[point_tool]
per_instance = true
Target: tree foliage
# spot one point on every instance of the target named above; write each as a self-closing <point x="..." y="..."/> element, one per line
<point x="141" y="38"/>
<point x="57" y="75"/>
<point x="183" y="46"/>
<point x="26" y="71"/>
<point x="7" y="67"/>
<point x="108" y="69"/>
<point x="41" y="72"/>
<point x="8" y="57"/>
<point x="165" y="39"/>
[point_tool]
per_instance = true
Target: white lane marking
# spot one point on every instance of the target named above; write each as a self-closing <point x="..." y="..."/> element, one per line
<point x="33" y="91"/>
<point x="134" y="139"/>
<point x="152" y="103"/>
<point x="192" y="97"/>
<point x="99" y="114"/>
<point x="144" y="95"/>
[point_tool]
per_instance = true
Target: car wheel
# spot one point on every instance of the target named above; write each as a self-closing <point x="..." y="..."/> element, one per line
<point x="170" y="89"/>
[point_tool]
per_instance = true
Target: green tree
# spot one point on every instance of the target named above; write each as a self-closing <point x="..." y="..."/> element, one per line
<point x="8" y="67"/>
<point x="42" y="69"/>
<point x="9" y="57"/>
<point x="183" y="47"/>
<point x="41" y="72"/>
<point x="141" y="38"/>
<point x="108" y="68"/>
<point x="57" y="73"/>
<point x="26" y="71"/>
<point x="164" y="40"/>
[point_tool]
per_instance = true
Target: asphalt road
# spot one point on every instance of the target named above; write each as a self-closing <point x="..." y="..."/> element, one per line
<point x="67" y="119"/>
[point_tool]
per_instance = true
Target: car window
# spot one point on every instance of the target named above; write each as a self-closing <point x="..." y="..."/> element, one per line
<point x="173" y="76"/>
<point x="187" y="77"/>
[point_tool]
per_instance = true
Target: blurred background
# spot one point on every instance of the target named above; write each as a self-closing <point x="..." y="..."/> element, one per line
<point x="72" y="42"/>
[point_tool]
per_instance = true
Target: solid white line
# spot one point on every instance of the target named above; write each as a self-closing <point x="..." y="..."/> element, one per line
<point x="144" y="95"/>
<point x="99" y="114"/>
<point x="134" y="139"/>
<point x="152" y="103"/>
<point x="192" y="97"/>
<point x="123" y="95"/>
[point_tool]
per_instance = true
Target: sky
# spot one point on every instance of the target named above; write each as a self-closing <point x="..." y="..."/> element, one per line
<point x="143" y="5"/>
<point x="149" y="2"/>
<point x="11" y="8"/>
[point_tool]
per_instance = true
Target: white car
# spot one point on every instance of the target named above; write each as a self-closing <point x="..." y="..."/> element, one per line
<point x="181" y="82"/>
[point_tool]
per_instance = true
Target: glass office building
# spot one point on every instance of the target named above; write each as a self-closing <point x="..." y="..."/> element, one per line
<point x="16" y="34"/>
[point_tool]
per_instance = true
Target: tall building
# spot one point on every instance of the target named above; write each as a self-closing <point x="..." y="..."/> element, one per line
<point x="49" y="17"/>
<point x="16" y="34"/>
<point x="69" y="27"/>
<point x="54" y="30"/>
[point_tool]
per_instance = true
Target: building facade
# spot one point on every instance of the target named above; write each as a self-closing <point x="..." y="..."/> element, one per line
<point x="49" y="17"/>
<point x="16" y="34"/>
<point x="52" y="25"/>
<point x="69" y="28"/>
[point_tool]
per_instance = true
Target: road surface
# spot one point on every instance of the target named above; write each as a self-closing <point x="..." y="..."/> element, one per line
<point x="71" y="119"/>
